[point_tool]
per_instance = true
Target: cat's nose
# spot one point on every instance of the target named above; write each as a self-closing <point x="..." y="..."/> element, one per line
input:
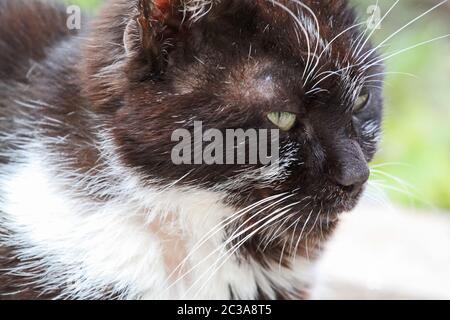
<point x="353" y="175"/>
<point x="350" y="168"/>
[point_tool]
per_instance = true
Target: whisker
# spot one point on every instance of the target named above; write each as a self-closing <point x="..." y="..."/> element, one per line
<point x="380" y="198"/>
<point x="301" y="234"/>
<point x="374" y="29"/>
<point x="396" y="179"/>
<point x="275" y="234"/>
<point x="368" y="54"/>
<point x="389" y="187"/>
<point x="229" y="253"/>
<point x="228" y="241"/>
<point x="327" y="47"/>
<point x="295" y="229"/>
<point x="390" y="164"/>
<point x="330" y="74"/>
<point x="358" y="41"/>
<point x="391" y="73"/>
<point x="214" y="231"/>
<point x="300" y="25"/>
<point x="317" y="26"/>
<point x="406" y="50"/>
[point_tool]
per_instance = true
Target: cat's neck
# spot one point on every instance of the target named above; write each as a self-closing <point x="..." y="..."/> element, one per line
<point x="137" y="242"/>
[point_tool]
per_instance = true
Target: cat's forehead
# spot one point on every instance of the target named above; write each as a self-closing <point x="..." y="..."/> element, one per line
<point x="254" y="81"/>
<point x="320" y="44"/>
<point x="326" y="41"/>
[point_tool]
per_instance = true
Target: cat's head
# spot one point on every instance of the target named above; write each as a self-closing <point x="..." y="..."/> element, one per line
<point x="299" y="66"/>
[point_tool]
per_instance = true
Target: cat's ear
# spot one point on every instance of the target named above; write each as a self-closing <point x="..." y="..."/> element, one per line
<point x="157" y="25"/>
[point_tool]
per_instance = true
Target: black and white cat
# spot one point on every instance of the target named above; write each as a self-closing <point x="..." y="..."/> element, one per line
<point x="91" y="205"/>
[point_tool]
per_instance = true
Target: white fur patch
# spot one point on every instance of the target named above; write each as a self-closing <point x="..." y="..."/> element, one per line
<point x="130" y="244"/>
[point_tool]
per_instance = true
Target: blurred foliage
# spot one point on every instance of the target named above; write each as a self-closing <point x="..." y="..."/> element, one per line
<point x="89" y="4"/>
<point x="415" y="152"/>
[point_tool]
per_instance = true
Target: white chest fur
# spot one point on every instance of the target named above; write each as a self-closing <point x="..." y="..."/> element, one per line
<point x="138" y="243"/>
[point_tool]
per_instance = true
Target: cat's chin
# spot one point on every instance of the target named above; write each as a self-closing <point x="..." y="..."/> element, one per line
<point x="333" y="208"/>
<point x="300" y="231"/>
<point x="318" y="220"/>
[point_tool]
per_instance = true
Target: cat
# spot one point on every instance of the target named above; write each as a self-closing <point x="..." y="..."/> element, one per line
<point x="92" y="205"/>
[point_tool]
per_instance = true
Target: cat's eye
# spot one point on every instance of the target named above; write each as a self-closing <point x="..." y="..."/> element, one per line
<point x="283" y="120"/>
<point x="361" y="102"/>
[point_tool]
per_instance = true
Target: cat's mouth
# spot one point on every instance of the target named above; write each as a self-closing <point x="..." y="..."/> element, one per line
<point x="296" y="217"/>
<point x="340" y="200"/>
<point x="295" y="225"/>
<point x="328" y="200"/>
<point x="327" y="210"/>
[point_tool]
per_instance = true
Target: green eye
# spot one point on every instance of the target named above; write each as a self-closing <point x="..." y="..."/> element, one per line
<point x="361" y="102"/>
<point x="283" y="120"/>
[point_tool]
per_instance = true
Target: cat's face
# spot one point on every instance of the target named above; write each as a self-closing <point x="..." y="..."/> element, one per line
<point x="239" y="66"/>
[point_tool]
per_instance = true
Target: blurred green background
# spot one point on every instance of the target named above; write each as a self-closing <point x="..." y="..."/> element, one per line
<point x="414" y="162"/>
<point x="415" y="152"/>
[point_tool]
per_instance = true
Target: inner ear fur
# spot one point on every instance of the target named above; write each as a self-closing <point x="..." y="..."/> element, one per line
<point x="155" y="29"/>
